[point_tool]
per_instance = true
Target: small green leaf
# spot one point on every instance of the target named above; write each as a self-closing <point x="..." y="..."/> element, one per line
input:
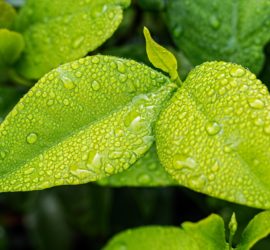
<point x="230" y="30"/>
<point x="58" y="31"/>
<point x="11" y="46"/>
<point x="206" y="234"/>
<point x="81" y="122"/>
<point x="233" y="229"/>
<point x="160" y="57"/>
<point x="146" y="172"/>
<point x="258" y="228"/>
<point x="7" y="15"/>
<point x="214" y="135"/>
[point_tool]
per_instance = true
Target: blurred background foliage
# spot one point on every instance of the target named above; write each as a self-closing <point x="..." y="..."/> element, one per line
<point x="86" y="216"/>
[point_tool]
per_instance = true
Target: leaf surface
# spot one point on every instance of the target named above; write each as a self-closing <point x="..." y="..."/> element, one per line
<point x="7" y="15"/>
<point x="81" y="122"/>
<point x="206" y="234"/>
<point x="57" y="31"/>
<point x="214" y="135"/>
<point x="146" y="172"/>
<point x="258" y="228"/>
<point x="235" y="31"/>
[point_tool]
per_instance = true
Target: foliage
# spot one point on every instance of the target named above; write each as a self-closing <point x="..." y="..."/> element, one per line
<point x="113" y="121"/>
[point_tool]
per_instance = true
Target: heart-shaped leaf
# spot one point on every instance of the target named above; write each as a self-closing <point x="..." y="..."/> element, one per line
<point x="206" y="234"/>
<point x="81" y="122"/>
<point x="146" y="172"/>
<point x="57" y="31"/>
<point x="230" y="30"/>
<point x="214" y="135"/>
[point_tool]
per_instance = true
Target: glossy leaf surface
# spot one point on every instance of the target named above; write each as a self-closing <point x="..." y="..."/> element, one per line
<point x="235" y="31"/>
<point x="146" y="172"/>
<point x="207" y="234"/>
<point x="82" y="121"/>
<point x="57" y="31"/>
<point x="214" y="135"/>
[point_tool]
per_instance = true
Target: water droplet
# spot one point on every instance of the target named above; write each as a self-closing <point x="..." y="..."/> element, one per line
<point x="183" y="162"/>
<point x="121" y="67"/>
<point x="119" y="246"/>
<point x="66" y="102"/>
<point x="133" y="120"/>
<point x="115" y="155"/>
<point x="3" y="154"/>
<point x="77" y="43"/>
<point x="255" y="103"/>
<point x="93" y="159"/>
<point x="95" y="59"/>
<point x="68" y="83"/>
<point x="197" y="181"/>
<point x="109" y="169"/>
<point x="212" y="128"/>
<point x="237" y="72"/>
<point x="214" y="22"/>
<point x="95" y="85"/>
<point x="29" y="171"/>
<point x="32" y="138"/>
<point x="144" y="179"/>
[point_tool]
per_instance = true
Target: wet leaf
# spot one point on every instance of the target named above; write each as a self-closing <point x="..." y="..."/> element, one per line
<point x="56" y="32"/>
<point x="214" y="135"/>
<point x="235" y="31"/>
<point x="146" y="172"/>
<point x="81" y="122"/>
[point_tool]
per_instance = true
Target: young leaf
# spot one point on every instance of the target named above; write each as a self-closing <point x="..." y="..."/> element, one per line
<point x="229" y="30"/>
<point x="7" y="15"/>
<point x="160" y="57"/>
<point x="11" y="46"/>
<point x="232" y="229"/>
<point x="258" y="228"/>
<point x="81" y="122"/>
<point x="60" y="31"/>
<point x="206" y="234"/>
<point x="214" y="135"/>
<point x="146" y="172"/>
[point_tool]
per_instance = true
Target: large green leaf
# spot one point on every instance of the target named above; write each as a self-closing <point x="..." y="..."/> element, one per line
<point x="82" y="121"/>
<point x="146" y="172"/>
<point x="258" y="228"/>
<point x="207" y="234"/>
<point x="229" y="30"/>
<point x="11" y="46"/>
<point x="58" y="31"/>
<point x="214" y="135"/>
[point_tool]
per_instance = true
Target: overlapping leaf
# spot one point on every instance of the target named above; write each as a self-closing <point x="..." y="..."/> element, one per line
<point x="235" y="31"/>
<point x="81" y="122"/>
<point x="60" y="31"/>
<point x="214" y="135"/>
<point x="146" y="172"/>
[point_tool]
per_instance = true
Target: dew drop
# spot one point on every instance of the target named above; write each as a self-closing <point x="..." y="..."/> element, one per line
<point x="68" y="83"/>
<point x="32" y="138"/>
<point x="121" y="67"/>
<point x="133" y="120"/>
<point x="119" y="246"/>
<point x="78" y="42"/>
<point x="93" y="159"/>
<point x="255" y="103"/>
<point x="212" y="128"/>
<point x="115" y="155"/>
<point x="237" y="72"/>
<point x="95" y="60"/>
<point x="197" y="181"/>
<point x="183" y="162"/>
<point x="95" y="85"/>
<point x="267" y="129"/>
<point x="3" y="154"/>
<point x="29" y="171"/>
<point x="144" y="179"/>
<point x="66" y="102"/>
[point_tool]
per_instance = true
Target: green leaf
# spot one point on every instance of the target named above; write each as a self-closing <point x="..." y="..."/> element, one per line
<point x="214" y="135"/>
<point x="57" y="31"/>
<point x="146" y="172"/>
<point x="232" y="229"/>
<point x="258" y="228"/>
<point x="11" y="46"/>
<point x="81" y="122"/>
<point x="235" y="31"/>
<point x="207" y="234"/>
<point x="7" y="15"/>
<point x="160" y="57"/>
